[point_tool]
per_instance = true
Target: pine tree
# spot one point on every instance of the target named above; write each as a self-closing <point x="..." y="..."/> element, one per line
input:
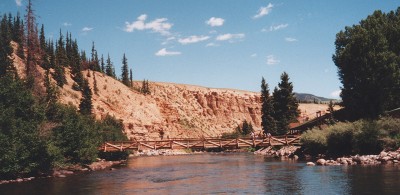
<point x="85" y="106"/>
<point x="76" y="66"/>
<point x="285" y="104"/>
<point x="130" y="78"/>
<point x="18" y="36"/>
<point x="96" y="90"/>
<point x="32" y="44"/>
<point x="45" y="61"/>
<point x="268" y="123"/>
<point x="94" y="60"/>
<point x="102" y="64"/>
<point x="109" y="67"/>
<point x="125" y="71"/>
<point x="6" y="64"/>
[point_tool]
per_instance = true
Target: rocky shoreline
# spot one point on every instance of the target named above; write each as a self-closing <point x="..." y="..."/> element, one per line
<point x="101" y="164"/>
<point x="385" y="157"/>
<point x="286" y="151"/>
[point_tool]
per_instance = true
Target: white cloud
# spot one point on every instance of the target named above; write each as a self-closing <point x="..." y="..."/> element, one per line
<point x="290" y="39"/>
<point x="164" y="52"/>
<point x="226" y="37"/>
<point x="18" y="2"/>
<point x="159" y="25"/>
<point x="253" y="55"/>
<point x="212" y="45"/>
<point x="336" y="94"/>
<point x="67" y="24"/>
<point x="87" y="29"/>
<point x="263" y="11"/>
<point x="215" y="21"/>
<point x="193" y="39"/>
<point x="271" y="60"/>
<point x="275" y="28"/>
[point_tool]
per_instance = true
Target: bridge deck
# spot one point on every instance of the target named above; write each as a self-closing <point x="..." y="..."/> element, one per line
<point x="203" y="143"/>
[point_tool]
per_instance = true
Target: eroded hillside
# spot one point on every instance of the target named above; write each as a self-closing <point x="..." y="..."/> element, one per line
<point x="177" y="109"/>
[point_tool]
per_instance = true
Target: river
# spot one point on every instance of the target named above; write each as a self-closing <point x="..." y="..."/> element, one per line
<point x="237" y="173"/>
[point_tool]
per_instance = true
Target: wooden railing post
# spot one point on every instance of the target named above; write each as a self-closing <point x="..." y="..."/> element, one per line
<point x="170" y="144"/>
<point x="286" y="140"/>
<point x="237" y="143"/>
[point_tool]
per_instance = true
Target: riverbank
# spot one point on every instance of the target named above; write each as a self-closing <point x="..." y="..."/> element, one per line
<point x="101" y="164"/>
<point x="383" y="158"/>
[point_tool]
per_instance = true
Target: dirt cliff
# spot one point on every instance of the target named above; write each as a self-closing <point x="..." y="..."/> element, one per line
<point x="177" y="109"/>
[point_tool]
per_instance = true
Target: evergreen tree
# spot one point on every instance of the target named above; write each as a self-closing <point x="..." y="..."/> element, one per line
<point x="130" y="78"/>
<point x="18" y="35"/>
<point x="145" y="89"/>
<point x="109" y="67"/>
<point x="285" y="104"/>
<point x="45" y="58"/>
<point x="96" y="90"/>
<point x="32" y="44"/>
<point x="85" y="106"/>
<point x="6" y="64"/>
<point x="268" y="123"/>
<point x="125" y="71"/>
<point x="76" y="65"/>
<point x="94" y="61"/>
<point x="102" y="64"/>
<point x="247" y="128"/>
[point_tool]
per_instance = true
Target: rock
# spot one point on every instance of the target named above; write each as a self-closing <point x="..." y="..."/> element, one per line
<point x="295" y="157"/>
<point x="383" y="154"/>
<point x="310" y="164"/>
<point x="61" y="176"/>
<point x="321" y="161"/>
<point x="395" y="161"/>
<point x="19" y="180"/>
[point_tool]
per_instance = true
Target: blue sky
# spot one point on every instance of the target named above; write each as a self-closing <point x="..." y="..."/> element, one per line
<point x="212" y="43"/>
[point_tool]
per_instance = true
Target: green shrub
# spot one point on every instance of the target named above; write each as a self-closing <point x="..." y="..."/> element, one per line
<point x="314" y="141"/>
<point x="340" y="139"/>
<point x="360" y="137"/>
<point x="366" y="141"/>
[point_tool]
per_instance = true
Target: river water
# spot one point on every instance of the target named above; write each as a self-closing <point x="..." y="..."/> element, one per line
<point x="238" y="173"/>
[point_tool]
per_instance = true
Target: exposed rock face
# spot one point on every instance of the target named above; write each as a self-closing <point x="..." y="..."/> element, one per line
<point x="180" y="111"/>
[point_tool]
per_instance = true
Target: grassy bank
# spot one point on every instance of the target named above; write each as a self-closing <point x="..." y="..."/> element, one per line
<point x="359" y="137"/>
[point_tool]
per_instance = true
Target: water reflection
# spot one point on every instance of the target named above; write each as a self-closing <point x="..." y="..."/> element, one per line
<point x="219" y="174"/>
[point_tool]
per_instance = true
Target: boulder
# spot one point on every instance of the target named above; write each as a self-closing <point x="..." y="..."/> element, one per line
<point x="310" y="164"/>
<point x="321" y="161"/>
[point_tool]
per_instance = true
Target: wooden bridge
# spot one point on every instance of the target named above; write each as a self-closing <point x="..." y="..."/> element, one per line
<point x="200" y="143"/>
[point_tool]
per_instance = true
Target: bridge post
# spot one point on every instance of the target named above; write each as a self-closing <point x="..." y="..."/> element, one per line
<point x="105" y="147"/>
<point x="286" y="140"/>
<point x="138" y="146"/>
<point x="170" y="144"/>
<point x="237" y="143"/>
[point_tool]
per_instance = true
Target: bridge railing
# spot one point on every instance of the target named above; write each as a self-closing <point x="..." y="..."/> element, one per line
<point x="200" y="143"/>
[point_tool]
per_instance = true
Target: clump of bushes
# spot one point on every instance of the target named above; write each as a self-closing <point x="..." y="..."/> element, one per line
<point x="360" y="137"/>
<point x="240" y="131"/>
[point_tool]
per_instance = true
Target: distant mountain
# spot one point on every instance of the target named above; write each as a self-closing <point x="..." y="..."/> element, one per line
<point x="305" y="97"/>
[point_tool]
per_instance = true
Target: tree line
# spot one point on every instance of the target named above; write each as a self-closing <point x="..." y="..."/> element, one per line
<point x="37" y="133"/>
